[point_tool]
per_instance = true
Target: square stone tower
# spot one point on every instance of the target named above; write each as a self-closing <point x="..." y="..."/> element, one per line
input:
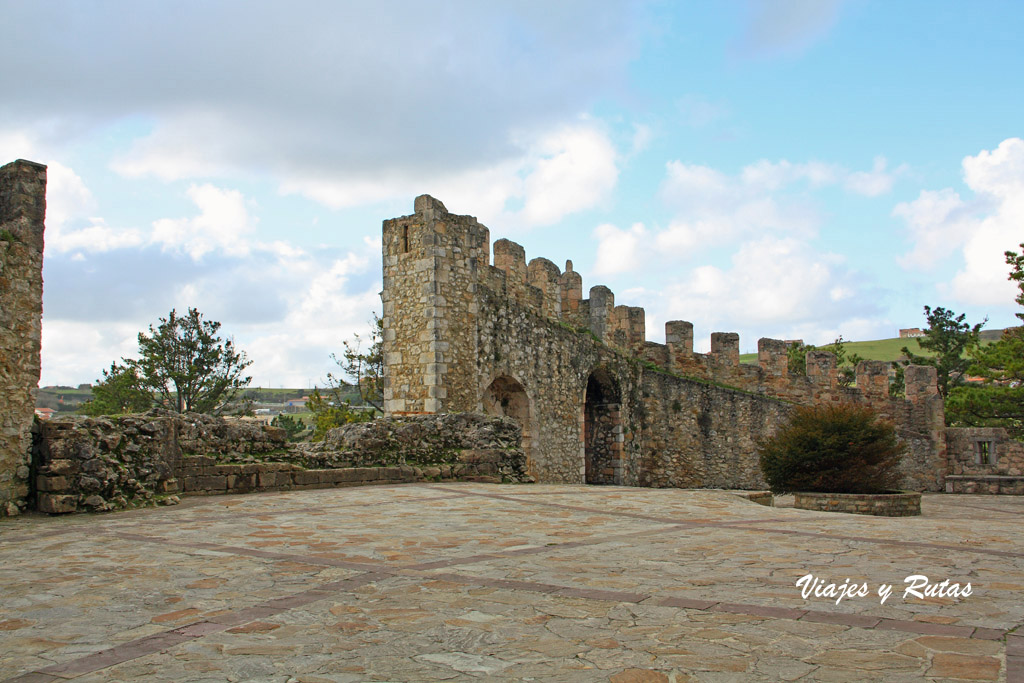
<point x="432" y="263"/>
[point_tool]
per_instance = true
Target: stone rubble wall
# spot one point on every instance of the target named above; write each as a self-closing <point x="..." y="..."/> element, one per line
<point x="454" y="324"/>
<point x="99" y="464"/>
<point x="104" y="463"/>
<point x="22" y="213"/>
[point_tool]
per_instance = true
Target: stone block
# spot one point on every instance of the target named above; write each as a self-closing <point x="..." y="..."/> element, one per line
<point x="240" y="482"/>
<point x="307" y="477"/>
<point x="59" y="466"/>
<point x="273" y="479"/>
<point x="212" y="483"/>
<point x="50" y="483"/>
<point x="392" y="473"/>
<point x="56" y="503"/>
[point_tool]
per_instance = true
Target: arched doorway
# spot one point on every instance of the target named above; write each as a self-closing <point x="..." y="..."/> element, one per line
<point x="505" y="396"/>
<point x="602" y="429"/>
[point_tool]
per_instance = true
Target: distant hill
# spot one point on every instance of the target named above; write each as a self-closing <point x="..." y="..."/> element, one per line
<point x="66" y="399"/>
<point x="884" y="349"/>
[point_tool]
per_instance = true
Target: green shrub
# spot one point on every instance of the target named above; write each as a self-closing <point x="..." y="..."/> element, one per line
<point x="832" y="449"/>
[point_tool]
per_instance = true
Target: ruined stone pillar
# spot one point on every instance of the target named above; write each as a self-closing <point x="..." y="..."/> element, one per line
<point x="602" y="307"/>
<point x="821" y="369"/>
<point x="636" y="329"/>
<point x="22" y="214"/>
<point x="725" y="347"/>
<point x="572" y="293"/>
<point x="921" y="382"/>
<point x="922" y="387"/>
<point x="679" y="340"/>
<point x="873" y="378"/>
<point x="773" y="357"/>
<point x="545" y="276"/>
<point x="511" y="258"/>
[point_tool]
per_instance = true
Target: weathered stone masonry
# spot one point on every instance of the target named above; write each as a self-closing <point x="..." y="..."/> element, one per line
<point x="597" y="402"/>
<point x="22" y="213"/>
<point x="86" y="464"/>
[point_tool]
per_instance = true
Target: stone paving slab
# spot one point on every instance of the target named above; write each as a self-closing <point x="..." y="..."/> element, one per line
<point x="485" y="582"/>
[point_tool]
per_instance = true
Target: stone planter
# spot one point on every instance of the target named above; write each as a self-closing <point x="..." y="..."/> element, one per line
<point x="895" y="504"/>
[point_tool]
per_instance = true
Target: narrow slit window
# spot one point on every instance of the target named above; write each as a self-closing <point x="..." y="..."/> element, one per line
<point x="405" y="239"/>
<point x="984" y="452"/>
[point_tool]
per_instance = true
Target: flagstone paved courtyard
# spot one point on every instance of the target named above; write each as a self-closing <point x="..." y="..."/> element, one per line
<point x="466" y="582"/>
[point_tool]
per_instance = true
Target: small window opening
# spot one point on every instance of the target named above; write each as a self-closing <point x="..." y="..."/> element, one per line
<point x="405" y="239"/>
<point x="984" y="452"/>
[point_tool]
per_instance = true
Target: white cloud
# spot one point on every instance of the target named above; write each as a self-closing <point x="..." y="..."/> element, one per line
<point x="461" y="86"/>
<point x="983" y="228"/>
<point x="96" y="237"/>
<point x="570" y="169"/>
<point x="322" y="315"/>
<point x="768" y="175"/>
<point x="70" y="227"/>
<point x="776" y="282"/>
<point x="771" y="280"/>
<point x="773" y="286"/>
<point x="77" y="351"/>
<point x="287" y="309"/>
<point x="619" y="250"/>
<point x="939" y="223"/>
<point x="17" y="144"/>
<point x="223" y="224"/>
<point x="575" y="170"/>
<point x="878" y="181"/>
<point x="716" y="209"/>
<point x="67" y="197"/>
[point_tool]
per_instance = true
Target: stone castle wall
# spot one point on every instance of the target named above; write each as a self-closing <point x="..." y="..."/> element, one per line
<point x="597" y="402"/>
<point x="86" y="464"/>
<point x="22" y="213"/>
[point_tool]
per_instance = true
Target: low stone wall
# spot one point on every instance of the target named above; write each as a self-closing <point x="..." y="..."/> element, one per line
<point x="206" y="476"/>
<point x="902" y="504"/>
<point x="985" y="483"/>
<point x="760" y="497"/>
<point x="97" y="464"/>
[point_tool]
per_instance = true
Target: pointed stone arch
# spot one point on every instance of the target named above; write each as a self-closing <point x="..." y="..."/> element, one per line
<point x="506" y="396"/>
<point x="603" y="437"/>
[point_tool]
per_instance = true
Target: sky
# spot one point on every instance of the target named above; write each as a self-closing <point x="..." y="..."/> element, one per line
<point x="777" y="168"/>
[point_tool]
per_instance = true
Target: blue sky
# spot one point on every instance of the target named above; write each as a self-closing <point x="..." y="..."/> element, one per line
<point x="788" y="169"/>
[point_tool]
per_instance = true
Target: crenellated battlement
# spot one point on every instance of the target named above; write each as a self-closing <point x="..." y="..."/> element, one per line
<point x="458" y="249"/>
<point x="470" y="325"/>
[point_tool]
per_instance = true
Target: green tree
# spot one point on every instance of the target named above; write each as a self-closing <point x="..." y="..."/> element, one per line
<point x="999" y="402"/>
<point x="120" y="391"/>
<point x="187" y="367"/>
<point x="797" y="357"/>
<point x="951" y="340"/>
<point x="333" y="405"/>
<point x="845" y="364"/>
<point x="366" y="367"/>
<point x="292" y="426"/>
<point x="330" y="411"/>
